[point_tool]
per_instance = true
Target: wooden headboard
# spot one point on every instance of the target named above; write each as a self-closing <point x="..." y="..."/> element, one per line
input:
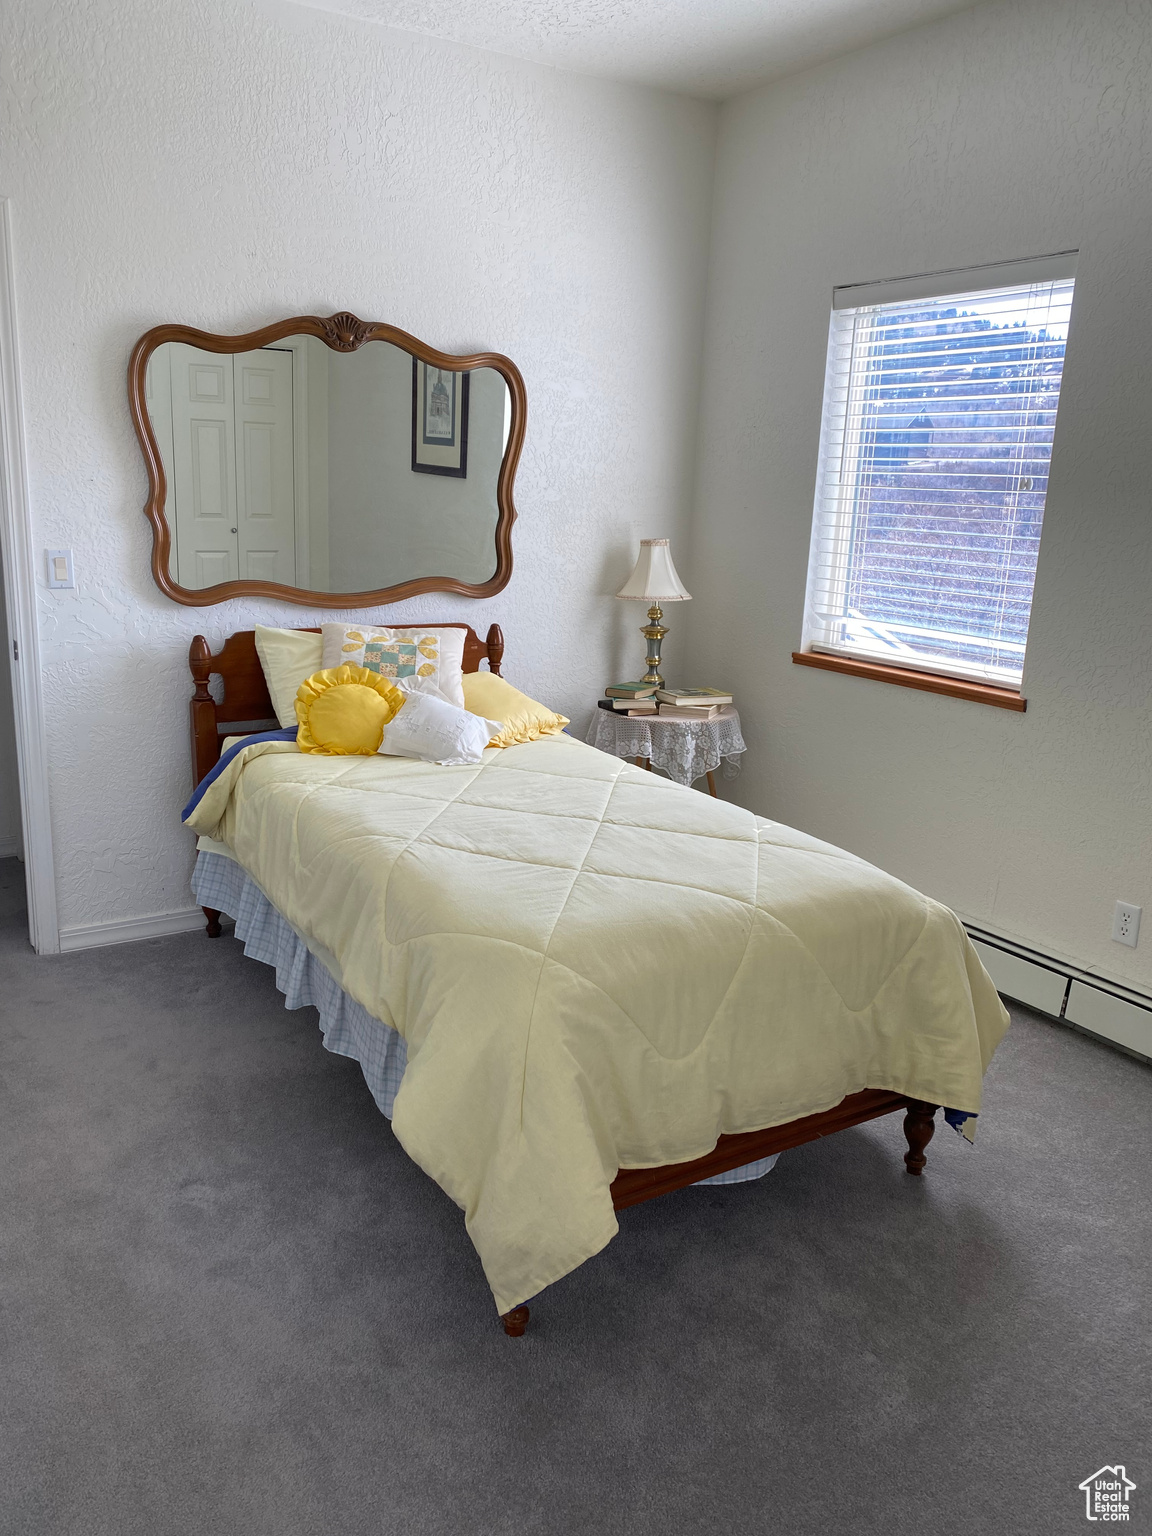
<point x="246" y="703"/>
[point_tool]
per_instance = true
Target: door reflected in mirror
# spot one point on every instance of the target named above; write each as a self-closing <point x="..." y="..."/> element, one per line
<point x="332" y="471"/>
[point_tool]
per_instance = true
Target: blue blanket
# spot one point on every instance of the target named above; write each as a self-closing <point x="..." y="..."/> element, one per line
<point x="962" y="1121"/>
<point x="287" y="734"/>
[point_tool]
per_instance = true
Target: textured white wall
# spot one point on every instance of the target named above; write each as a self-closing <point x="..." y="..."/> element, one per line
<point x="1011" y="130"/>
<point x="224" y="164"/>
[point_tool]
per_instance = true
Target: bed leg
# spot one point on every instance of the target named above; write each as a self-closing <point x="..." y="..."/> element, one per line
<point x="213" y="929"/>
<point x="515" y="1322"/>
<point x="919" y="1125"/>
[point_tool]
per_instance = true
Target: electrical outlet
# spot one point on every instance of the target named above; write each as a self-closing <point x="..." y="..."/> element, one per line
<point x="1126" y="924"/>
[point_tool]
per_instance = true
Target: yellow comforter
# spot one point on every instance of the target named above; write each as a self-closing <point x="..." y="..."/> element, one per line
<point x="596" y="969"/>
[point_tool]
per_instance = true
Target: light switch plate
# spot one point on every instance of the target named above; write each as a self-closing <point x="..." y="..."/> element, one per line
<point x="60" y="568"/>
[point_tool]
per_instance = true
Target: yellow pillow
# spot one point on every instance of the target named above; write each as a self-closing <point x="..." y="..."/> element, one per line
<point x="343" y="712"/>
<point x="524" y="720"/>
<point x="287" y="656"/>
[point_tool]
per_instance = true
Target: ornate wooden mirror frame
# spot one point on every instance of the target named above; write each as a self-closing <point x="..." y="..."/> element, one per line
<point x="343" y="333"/>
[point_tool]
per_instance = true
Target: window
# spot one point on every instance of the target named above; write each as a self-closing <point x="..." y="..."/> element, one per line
<point x="939" y="410"/>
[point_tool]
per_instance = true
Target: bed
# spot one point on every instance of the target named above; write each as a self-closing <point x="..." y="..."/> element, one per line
<point x="608" y="987"/>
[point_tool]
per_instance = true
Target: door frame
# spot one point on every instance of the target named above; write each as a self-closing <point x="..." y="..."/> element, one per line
<point x="23" y="638"/>
<point x="301" y="453"/>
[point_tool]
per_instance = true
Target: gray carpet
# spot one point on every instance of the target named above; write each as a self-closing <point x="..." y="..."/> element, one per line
<point x="232" y="1305"/>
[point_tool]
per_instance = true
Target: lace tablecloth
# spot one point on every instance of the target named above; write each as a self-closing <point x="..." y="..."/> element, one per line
<point x="685" y="749"/>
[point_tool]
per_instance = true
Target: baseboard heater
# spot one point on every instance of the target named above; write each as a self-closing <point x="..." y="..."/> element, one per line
<point x="1106" y="1009"/>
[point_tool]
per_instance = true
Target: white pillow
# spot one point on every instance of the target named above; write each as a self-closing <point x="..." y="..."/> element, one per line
<point x="435" y="731"/>
<point x="288" y="656"/>
<point x="426" y="659"/>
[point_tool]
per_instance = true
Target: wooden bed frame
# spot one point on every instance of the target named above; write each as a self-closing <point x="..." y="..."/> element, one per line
<point x="246" y="705"/>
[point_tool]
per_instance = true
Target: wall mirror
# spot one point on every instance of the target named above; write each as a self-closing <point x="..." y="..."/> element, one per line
<point x="330" y="462"/>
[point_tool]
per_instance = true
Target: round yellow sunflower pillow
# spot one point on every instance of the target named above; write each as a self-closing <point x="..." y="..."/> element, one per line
<point x="343" y="712"/>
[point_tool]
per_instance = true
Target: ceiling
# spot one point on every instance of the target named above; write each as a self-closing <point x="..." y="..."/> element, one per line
<point x="710" y="48"/>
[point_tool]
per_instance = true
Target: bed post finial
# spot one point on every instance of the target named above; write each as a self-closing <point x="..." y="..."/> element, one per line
<point x="919" y="1126"/>
<point x="202" y="709"/>
<point x="200" y="663"/>
<point x="495" y="647"/>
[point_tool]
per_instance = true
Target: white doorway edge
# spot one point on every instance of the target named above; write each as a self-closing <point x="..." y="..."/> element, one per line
<point x="23" y="638"/>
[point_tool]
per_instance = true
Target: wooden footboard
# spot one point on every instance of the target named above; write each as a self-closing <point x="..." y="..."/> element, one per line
<point x="631" y="1186"/>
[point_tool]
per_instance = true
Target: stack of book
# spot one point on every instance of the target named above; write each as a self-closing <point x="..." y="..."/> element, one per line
<point x="691" y="703"/>
<point x="668" y="703"/>
<point x="630" y="698"/>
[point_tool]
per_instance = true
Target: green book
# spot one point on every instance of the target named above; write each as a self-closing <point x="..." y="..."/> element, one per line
<point x="630" y="691"/>
<point x="693" y="696"/>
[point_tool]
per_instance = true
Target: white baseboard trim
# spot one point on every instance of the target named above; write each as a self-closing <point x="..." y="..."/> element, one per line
<point x="129" y="930"/>
<point x="11" y="848"/>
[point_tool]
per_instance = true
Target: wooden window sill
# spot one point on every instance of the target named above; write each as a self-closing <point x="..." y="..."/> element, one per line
<point x="904" y="677"/>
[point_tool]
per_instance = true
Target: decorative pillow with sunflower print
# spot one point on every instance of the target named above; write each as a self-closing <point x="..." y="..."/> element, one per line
<point x="421" y="660"/>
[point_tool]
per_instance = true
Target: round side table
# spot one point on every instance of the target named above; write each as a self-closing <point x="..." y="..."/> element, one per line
<point x="686" y="750"/>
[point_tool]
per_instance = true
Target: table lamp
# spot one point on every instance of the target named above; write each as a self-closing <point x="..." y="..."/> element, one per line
<point x="654" y="581"/>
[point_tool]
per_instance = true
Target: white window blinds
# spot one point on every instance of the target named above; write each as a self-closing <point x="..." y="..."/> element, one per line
<point x="939" y="411"/>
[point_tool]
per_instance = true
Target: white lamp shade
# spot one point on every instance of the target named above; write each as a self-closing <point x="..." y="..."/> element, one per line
<point x="655" y="578"/>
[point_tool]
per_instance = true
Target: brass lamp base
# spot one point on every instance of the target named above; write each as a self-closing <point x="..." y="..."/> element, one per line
<point x="654" y="633"/>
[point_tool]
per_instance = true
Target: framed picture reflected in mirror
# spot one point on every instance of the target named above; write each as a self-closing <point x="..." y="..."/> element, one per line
<point x="439" y="420"/>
